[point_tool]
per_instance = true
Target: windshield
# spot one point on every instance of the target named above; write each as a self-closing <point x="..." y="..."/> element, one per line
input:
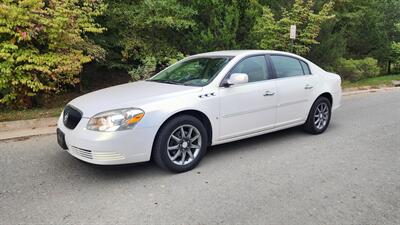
<point x="192" y="72"/>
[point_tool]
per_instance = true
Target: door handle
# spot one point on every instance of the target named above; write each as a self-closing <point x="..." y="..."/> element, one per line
<point x="308" y="87"/>
<point x="268" y="93"/>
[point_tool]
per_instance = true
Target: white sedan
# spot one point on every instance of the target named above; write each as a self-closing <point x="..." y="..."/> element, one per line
<point x="202" y="100"/>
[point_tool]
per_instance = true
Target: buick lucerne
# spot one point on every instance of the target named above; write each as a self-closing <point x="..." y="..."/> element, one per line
<point x="202" y="100"/>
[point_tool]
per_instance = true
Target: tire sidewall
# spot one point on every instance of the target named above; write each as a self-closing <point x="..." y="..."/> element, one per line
<point x="163" y="137"/>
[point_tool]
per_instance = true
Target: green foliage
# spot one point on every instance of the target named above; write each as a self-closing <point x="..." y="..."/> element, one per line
<point x="380" y="81"/>
<point x="43" y="46"/>
<point x="140" y="43"/>
<point x="144" y="32"/>
<point x="149" y="67"/>
<point x="396" y="50"/>
<point x="273" y="33"/>
<point x="144" y="44"/>
<point x="354" y="70"/>
<point x="361" y="28"/>
<point x="332" y="46"/>
<point x="396" y="47"/>
<point x="194" y="26"/>
<point x="221" y="25"/>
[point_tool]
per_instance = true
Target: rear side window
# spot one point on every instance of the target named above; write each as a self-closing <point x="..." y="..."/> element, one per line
<point x="306" y="68"/>
<point x="287" y="66"/>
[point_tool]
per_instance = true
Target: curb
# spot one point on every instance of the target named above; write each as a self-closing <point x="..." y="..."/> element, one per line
<point x="357" y="92"/>
<point x="27" y="133"/>
<point x="22" y="129"/>
<point x="27" y="128"/>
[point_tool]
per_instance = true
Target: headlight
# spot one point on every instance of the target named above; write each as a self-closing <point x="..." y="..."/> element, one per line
<point x="120" y="119"/>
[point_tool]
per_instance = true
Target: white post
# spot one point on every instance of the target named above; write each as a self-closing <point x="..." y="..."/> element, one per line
<point x="292" y="35"/>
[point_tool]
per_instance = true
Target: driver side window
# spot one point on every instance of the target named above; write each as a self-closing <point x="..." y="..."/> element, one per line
<point x="255" y="67"/>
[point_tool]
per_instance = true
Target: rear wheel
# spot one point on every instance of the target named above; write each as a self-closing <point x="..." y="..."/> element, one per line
<point x="319" y="116"/>
<point x="180" y="144"/>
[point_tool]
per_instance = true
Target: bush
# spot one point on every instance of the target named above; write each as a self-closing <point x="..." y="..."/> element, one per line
<point x="357" y="69"/>
<point x="43" y="45"/>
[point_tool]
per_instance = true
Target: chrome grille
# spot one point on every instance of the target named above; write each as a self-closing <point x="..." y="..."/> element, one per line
<point x="82" y="152"/>
<point x="71" y="117"/>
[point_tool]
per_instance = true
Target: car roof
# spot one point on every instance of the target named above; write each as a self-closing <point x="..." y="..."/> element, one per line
<point x="245" y="53"/>
<point x="233" y="53"/>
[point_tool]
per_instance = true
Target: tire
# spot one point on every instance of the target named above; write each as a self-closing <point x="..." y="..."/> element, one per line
<point x="176" y="153"/>
<point x="319" y="116"/>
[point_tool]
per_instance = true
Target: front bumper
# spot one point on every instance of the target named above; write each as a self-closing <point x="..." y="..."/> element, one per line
<point x="107" y="148"/>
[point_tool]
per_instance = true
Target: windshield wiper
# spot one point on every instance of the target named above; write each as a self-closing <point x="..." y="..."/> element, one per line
<point x="166" y="82"/>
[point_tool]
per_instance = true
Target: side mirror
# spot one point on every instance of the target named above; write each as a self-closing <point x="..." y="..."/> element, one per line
<point x="237" y="78"/>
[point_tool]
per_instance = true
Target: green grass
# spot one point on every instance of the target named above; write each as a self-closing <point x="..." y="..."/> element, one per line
<point x="375" y="82"/>
<point x="10" y="115"/>
<point x="51" y="106"/>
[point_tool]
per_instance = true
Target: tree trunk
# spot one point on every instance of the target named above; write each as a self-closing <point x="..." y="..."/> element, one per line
<point x="80" y="83"/>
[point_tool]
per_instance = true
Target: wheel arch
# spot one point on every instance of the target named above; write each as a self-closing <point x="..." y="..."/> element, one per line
<point x="326" y="95"/>
<point x="192" y="112"/>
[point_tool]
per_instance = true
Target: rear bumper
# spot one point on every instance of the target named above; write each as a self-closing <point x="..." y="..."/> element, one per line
<point x="108" y="148"/>
<point x="337" y="98"/>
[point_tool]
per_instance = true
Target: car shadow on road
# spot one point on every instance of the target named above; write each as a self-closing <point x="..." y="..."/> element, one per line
<point x="254" y="142"/>
<point x="149" y="169"/>
<point x="115" y="172"/>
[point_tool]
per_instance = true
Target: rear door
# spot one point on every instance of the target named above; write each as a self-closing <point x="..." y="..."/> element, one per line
<point x="294" y="85"/>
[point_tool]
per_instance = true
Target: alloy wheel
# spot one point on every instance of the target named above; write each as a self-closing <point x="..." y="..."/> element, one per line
<point x="321" y="115"/>
<point x="184" y="144"/>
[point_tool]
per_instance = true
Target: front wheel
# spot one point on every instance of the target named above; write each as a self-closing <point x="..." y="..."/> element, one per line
<point x="180" y="144"/>
<point x="319" y="116"/>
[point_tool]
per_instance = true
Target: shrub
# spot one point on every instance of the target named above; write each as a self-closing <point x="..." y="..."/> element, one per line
<point x="43" y="45"/>
<point x="356" y="69"/>
<point x="149" y="66"/>
<point x="369" y="67"/>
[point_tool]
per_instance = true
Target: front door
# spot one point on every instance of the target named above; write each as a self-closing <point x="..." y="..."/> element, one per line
<point x="251" y="107"/>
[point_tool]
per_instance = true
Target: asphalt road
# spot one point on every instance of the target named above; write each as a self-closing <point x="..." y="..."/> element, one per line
<point x="348" y="175"/>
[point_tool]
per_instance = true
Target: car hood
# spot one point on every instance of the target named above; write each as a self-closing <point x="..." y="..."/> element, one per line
<point x="135" y="94"/>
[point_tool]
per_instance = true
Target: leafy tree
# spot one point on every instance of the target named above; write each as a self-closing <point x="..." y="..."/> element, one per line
<point x="277" y="6"/>
<point x="332" y="38"/>
<point x="365" y="31"/>
<point x="273" y="33"/>
<point x="221" y="24"/>
<point x="144" y="44"/>
<point x="361" y="28"/>
<point x="143" y="35"/>
<point x="332" y="46"/>
<point x="396" y="48"/>
<point x="391" y="33"/>
<point x="43" y="45"/>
